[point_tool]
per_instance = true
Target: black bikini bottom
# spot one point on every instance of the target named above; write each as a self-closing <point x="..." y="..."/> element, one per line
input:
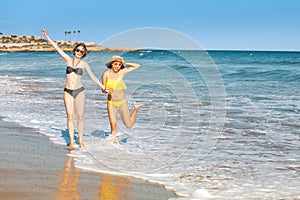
<point x="74" y="93"/>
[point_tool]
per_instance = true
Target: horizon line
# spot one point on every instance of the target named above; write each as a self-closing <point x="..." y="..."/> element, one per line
<point x="277" y="50"/>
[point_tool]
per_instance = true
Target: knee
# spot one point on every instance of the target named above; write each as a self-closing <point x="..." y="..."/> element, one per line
<point x="129" y="125"/>
<point x="80" y="118"/>
<point x="70" y="117"/>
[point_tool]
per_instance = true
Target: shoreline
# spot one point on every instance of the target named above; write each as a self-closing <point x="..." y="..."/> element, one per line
<point x="35" y="168"/>
<point x="23" y="43"/>
<point x="47" y="48"/>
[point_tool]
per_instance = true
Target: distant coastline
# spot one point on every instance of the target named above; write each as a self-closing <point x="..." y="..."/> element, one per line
<point x="22" y="43"/>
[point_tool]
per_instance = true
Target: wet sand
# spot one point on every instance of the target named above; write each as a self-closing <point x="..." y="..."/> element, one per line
<point x="32" y="167"/>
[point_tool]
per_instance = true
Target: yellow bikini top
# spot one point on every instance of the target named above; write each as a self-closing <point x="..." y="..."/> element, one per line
<point x="116" y="84"/>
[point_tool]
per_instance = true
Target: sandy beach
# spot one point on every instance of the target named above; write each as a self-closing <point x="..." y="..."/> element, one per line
<point x="34" y="168"/>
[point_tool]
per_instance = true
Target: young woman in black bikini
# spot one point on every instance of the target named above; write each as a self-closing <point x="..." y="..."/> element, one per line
<point x="74" y="94"/>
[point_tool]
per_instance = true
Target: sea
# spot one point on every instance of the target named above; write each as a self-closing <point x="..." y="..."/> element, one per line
<point x="215" y="124"/>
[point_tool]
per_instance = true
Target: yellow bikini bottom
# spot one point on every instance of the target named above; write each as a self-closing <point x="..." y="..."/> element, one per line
<point x="116" y="103"/>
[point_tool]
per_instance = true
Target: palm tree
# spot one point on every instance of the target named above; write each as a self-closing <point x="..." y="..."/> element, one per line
<point x="66" y="35"/>
<point x="69" y="33"/>
<point x="74" y="35"/>
<point x="78" y="34"/>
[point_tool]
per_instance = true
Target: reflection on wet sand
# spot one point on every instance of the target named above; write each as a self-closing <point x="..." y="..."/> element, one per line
<point x="68" y="187"/>
<point x="113" y="188"/>
<point x="110" y="187"/>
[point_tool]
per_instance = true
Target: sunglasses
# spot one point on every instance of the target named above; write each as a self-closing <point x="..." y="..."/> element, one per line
<point x="117" y="63"/>
<point x="79" y="51"/>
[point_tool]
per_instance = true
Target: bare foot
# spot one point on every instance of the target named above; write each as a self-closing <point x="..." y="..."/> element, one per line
<point x="116" y="140"/>
<point x="71" y="146"/>
<point x="138" y="106"/>
<point x="81" y="144"/>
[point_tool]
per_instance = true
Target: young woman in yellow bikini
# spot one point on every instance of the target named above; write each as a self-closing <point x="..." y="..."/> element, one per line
<point x="116" y="100"/>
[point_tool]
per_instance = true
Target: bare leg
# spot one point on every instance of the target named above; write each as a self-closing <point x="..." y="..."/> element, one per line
<point x="128" y="119"/>
<point x="79" y="103"/>
<point x="135" y="111"/>
<point x="112" y="115"/>
<point x="69" y="105"/>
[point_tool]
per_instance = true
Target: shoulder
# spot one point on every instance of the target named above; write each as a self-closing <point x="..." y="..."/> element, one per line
<point x="123" y="71"/>
<point x="105" y="73"/>
<point x="84" y="64"/>
<point x="69" y="60"/>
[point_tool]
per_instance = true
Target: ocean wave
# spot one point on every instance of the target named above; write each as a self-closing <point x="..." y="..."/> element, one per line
<point x="270" y="75"/>
<point x="272" y="63"/>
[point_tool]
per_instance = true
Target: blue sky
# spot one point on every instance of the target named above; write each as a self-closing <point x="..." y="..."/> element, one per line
<point x="214" y="24"/>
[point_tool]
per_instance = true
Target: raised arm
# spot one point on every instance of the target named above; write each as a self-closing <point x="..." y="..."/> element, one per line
<point x="132" y="66"/>
<point x="65" y="56"/>
<point x="93" y="77"/>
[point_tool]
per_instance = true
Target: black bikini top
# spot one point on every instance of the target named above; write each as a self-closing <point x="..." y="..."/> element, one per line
<point x="77" y="71"/>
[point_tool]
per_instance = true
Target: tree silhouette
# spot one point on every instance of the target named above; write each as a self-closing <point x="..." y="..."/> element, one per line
<point x="69" y="33"/>
<point x="66" y="35"/>
<point x="69" y="37"/>
<point x="74" y="35"/>
<point x="78" y="34"/>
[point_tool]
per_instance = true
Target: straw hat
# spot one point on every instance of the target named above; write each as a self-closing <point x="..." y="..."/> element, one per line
<point x="113" y="59"/>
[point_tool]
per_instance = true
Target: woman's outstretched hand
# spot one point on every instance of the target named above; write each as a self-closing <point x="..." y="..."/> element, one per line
<point x="44" y="32"/>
